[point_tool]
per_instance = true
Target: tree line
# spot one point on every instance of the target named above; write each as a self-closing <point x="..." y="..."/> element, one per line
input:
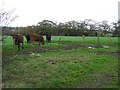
<point x="86" y="27"/>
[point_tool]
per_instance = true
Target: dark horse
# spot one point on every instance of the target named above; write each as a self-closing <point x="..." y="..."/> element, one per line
<point x="28" y="37"/>
<point x="18" y="38"/>
<point x="35" y="37"/>
<point x="48" y="37"/>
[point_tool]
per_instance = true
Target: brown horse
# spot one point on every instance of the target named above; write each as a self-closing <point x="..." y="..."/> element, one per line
<point x="18" y="39"/>
<point x="36" y="37"/>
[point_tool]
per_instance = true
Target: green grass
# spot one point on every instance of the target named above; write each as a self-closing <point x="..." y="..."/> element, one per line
<point x="60" y="67"/>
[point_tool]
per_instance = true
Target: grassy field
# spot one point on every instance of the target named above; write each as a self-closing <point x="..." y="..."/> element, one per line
<point x="71" y="64"/>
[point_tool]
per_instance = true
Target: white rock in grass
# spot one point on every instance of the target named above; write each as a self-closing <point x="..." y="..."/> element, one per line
<point x="33" y="54"/>
<point x="105" y="46"/>
<point x="37" y="54"/>
<point x="91" y="47"/>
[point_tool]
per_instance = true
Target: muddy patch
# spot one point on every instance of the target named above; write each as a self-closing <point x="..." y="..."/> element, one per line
<point x="35" y="50"/>
<point x="72" y="46"/>
<point x="27" y="52"/>
<point x="96" y="46"/>
<point x="117" y="53"/>
<point x="75" y="46"/>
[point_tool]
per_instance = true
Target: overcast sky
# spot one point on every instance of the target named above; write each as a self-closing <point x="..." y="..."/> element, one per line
<point x="30" y="12"/>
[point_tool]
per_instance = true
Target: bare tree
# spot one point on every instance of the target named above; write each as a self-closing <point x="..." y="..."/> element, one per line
<point x="5" y="19"/>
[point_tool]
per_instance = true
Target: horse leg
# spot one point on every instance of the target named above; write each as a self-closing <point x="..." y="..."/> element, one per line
<point x="39" y="42"/>
<point x="32" y="43"/>
<point x="48" y="39"/>
<point x="18" y="46"/>
<point x="22" y="45"/>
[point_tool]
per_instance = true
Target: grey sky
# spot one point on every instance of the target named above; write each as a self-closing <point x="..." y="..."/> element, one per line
<point x="31" y="12"/>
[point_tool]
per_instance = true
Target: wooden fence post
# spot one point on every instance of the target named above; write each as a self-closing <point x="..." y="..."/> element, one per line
<point x="98" y="40"/>
<point x="59" y="41"/>
<point x="83" y="39"/>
